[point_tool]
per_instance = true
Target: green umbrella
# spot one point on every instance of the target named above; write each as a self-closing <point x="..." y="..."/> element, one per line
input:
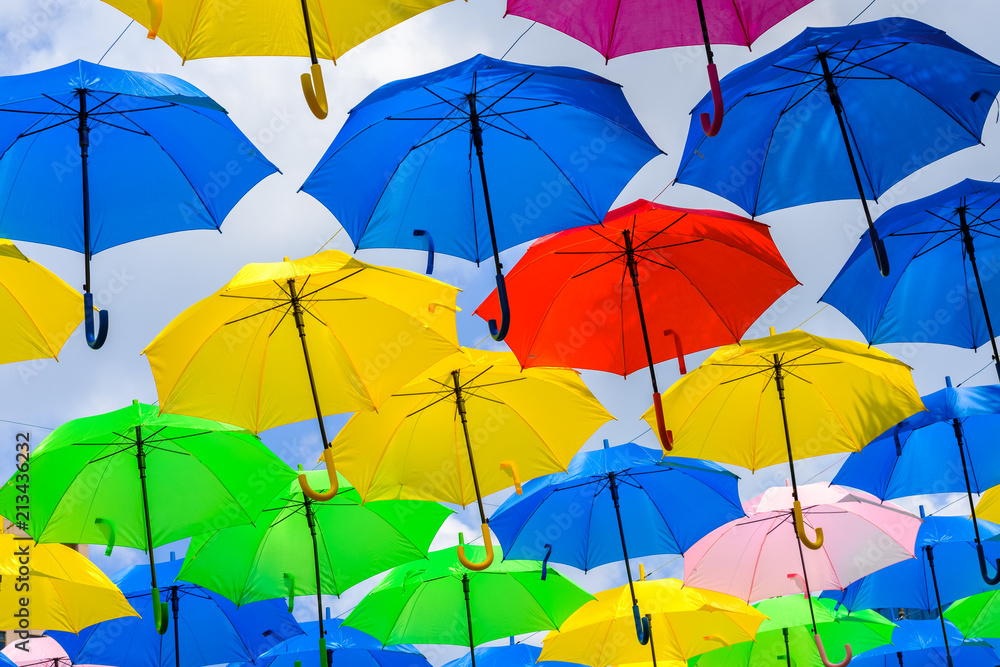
<point x="786" y="639"/>
<point x="301" y="546"/>
<point x="977" y="615"/>
<point x="136" y="478"/>
<point x="439" y="601"/>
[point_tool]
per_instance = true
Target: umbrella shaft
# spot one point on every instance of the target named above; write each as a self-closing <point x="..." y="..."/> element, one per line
<point x="959" y="438"/>
<point x="970" y="248"/>
<point x="468" y="615"/>
<point x="477" y="139"/>
<point x="84" y="133"/>
<point x="311" y="520"/>
<point x="312" y="47"/>
<point x="704" y="34"/>
<point x="613" y="485"/>
<point x="140" y="455"/>
<point x="175" y="607"/>
<point x="652" y="647"/>
<point x="779" y="383"/>
<point x="300" y="324"/>
<point x="633" y="271"/>
<point x="460" y="404"/>
<point x="937" y="596"/>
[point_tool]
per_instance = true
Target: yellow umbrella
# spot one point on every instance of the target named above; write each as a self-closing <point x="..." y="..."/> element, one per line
<point x="684" y="622"/>
<point x="467" y="427"/>
<point x="787" y="397"/>
<point x="988" y="507"/>
<point x="39" y="309"/>
<point x="62" y="589"/>
<point x="237" y="356"/>
<point x="314" y="28"/>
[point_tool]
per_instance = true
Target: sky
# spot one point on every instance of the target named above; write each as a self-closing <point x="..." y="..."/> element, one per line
<point x="147" y="283"/>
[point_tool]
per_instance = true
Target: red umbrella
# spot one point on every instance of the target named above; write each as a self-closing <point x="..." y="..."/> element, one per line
<point x="588" y="298"/>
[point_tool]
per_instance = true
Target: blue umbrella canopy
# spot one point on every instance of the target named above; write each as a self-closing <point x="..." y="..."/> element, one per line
<point x="513" y="655"/>
<point x="920" y="643"/>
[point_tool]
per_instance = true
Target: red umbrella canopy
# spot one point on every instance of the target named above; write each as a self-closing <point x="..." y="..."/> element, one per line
<point x="705" y="276"/>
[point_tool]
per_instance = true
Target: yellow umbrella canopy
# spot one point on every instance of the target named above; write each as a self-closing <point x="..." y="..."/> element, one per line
<point x="38" y="308"/>
<point x="64" y="590"/>
<point x="988" y="507"/>
<point x="467" y="427"/>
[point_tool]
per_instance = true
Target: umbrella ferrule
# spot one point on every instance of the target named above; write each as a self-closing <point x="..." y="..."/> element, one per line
<point x="831" y="85"/>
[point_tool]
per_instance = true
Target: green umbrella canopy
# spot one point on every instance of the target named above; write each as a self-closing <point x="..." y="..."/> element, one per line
<point x="863" y="630"/>
<point x="274" y="558"/>
<point x="976" y="616"/>
<point x="423" y="602"/>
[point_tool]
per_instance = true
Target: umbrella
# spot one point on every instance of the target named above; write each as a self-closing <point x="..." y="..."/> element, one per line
<point x="562" y="144"/>
<point x="898" y="94"/>
<point x="136" y="478"/>
<point x="208" y="628"/>
<point x="829" y="396"/>
<point x="264" y="29"/>
<point x="934" y="237"/>
<point x="443" y="602"/>
<point x="940" y="574"/>
<point x="976" y="616"/>
<point x="53" y="587"/>
<point x="36" y="652"/>
<point x="511" y="655"/>
<point x="684" y="621"/>
<point x="237" y="355"/>
<point x="784" y="640"/>
<point x="165" y="158"/>
<point x="918" y="456"/>
<point x="920" y="643"/>
<point x="465" y="428"/>
<point x="297" y="540"/>
<point x="616" y="28"/>
<point x="40" y="311"/>
<point x="571" y="517"/>
<point x="706" y="276"/>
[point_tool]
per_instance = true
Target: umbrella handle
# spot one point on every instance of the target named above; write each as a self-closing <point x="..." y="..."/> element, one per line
<point x="800" y="529"/>
<point x="430" y="248"/>
<point x="161" y="617"/>
<point x="315" y="97"/>
<point x="717" y="638"/>
<point x="501" y="333"/>
<point x="290" y="585"/>
<point x="641" y="625"/>
<point x="545" y="561"/>
<point x="801" y="581"/>
<point x="680" y="351"/>
<point x="488" y="543"/>
<point x="94" y="340"/>
<point x="878" y="247"/>
<point x="331" y="471"/>
<point x="666" y="437"/>
<point x="709" y="125"/>
<point x="107" y="527"/>
<point x="822" y="654"/>
<point x="155" y="17"/>
<point x="992" y="581"/>
<point x="510" y="465"/>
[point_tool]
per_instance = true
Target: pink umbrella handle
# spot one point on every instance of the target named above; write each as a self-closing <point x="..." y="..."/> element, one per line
<point x="822" y="654"/>
<point x="711" y="126"/>
<point x="801" y="581"/>
<point x="666" y="437"/>
<point x="155" y="17"/>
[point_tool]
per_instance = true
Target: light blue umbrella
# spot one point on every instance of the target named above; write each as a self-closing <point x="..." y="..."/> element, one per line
<point x="920" y="643"/>
<point x="512" y="655"/>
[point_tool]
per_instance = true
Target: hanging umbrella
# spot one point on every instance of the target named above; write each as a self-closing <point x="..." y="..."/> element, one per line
<point x="443" y="602"/>
<point x="785" y="639"/>
<point x="64" y="590"/>
<point x="684" y="622"/>
<point x="237" y="355"/>
<point x="898" y="94"/>
<point x="263" y="28"/>
<point x="136" y="478"/>
<point x="829" y="396"/>
<point x="918" y="456"/>
<point x="976" y="616"/>
<point x="572" y="517"/>
<point x="511" y="655"/>
<point x="297" y="545"/>
<point x="934" y="241"/>
<point x="561" y="143"/>
<point x="207" y="628"/>
<point x="467" y="427"/>
<point x="165" y="158"/>
<point x="616" y="28"/>
<point x="706" y="276"/>
<point x="916" y="643"/>
<point x="37" y="652"/>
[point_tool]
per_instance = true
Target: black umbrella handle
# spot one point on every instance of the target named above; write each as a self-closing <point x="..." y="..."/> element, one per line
<point x="499" y="333"/>
<point x="984" y="569"/>
<point x="95" y="336"/>
<point x="641" y="625"/>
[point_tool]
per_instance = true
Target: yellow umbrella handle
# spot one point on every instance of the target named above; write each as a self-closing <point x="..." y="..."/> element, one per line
<point x="316" y="99"/>
<point x="800" y="529"/>
<point x="488" y="543"/>
<point x="512" y="467"/>
<point x="155" y="17"/>
<point x="331" y="471"/>
<point x="160" y="615"/>
<point x="822" y="654"/>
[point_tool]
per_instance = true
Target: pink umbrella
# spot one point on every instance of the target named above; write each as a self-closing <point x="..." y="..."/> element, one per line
<point x="619" y="27"/>
<point x="41" y="652"/>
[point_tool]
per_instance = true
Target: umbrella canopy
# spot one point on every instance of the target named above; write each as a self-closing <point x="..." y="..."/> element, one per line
<point x="512" y="655"/>
<point x="39" y="309"/>
<point x="976" y="616"/>
<point x="156" y="155"/>
<point x="916" y="643"/>
<point x="36" y="652"/>
<point x="839" y="113"/>
<point x="207" y="628"/>
<point x="64" y="590"/>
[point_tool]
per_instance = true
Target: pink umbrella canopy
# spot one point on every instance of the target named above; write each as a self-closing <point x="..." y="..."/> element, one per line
<point x="759" y="556"/>
<point x="41" y="652"/>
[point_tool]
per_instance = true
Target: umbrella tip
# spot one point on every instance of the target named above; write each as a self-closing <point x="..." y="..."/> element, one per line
<point x="173" y="556"/>
<point x="922" y="512"/>
<point x="642" y="572"/>
<point x="328" y="613"/>
<point x="135" y="402"/>
<point x="772" y="331"/>
<point x="947" y="381"/>
<point x="607" y="445"/>
<point x="512" y="640"/>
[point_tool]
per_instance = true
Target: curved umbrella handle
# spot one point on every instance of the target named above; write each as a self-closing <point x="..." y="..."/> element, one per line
<point x="992" y="581"/>
<point x="315" y="98"/>
<point x="290" y="585"/>
<point x="155" y="17"/>
<point x="501" y="333"/>
<point x="709" y="125"/>
<point x="430" y="248"/>
<point x="801" y="581"/>
<point x="545" y="561"/>
<point x="878" y="247"/>
<point x="800" y="529"/>
<point x="94" y="340"/>
<point x="641" y="625"/>
<point x="510" y="465"/>
<point x="680" y="351"/>
<point x="331" y="471"/>
<point x="107" y="526"/>
<point x="717" y="638"/>
<point x="822" y="654"/>
<point x="488" y="543"/>
<point x="161" y="617"/>
<point x="665" y="436"/>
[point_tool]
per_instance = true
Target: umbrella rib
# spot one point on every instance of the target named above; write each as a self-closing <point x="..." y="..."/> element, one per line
<point x="791" y="86"/>
<point x="257" y="314"/>
<point x="645" y="244"/>
<point x="457" y="126"/>
<point x="100" y="104"/>
<point x="666" y="266"/>
<point x="671" y="245"/>
<point x="501" y="98"/>
<point x="68" y="108"/>
<point x="599" y="266"/>
<point x="937" y="245"/>
<point x="47" y="127"/>
<point x="119" y="127"/>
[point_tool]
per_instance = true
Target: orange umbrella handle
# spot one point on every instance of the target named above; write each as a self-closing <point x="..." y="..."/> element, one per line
<point x="800" y="530"/>
<point x="826" y="661"/>
<point x="512" y="467"/>
<point x="717" y="638"/>
<point x="331" y="471"/>
<point x="315" y="98"/>
<point x="488" y="543"/>
<point x="155" y="17"/>
<point x="666" y="437"/>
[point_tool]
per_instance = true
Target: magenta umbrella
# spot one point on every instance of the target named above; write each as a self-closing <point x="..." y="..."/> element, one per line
<point x="619" y="27"/>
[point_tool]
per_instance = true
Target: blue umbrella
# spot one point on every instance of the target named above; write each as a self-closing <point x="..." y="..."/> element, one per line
<point x="562" y="143"/>
<point x="208" y="628"/>
<point x="932" y="299"/>
<point x="919" y="643"/>
<point x="841" y="112"/>
<point x="513" y="655"/>
<point x="576" y="517"/>
<point x="92" y="157"/>
<point x="918" y="456"/>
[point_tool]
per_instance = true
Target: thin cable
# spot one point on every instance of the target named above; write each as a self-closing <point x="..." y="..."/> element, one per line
<point x="44" y="428"/>
<point x="844" y="458"/>
<point x="940" y="509"/>
<point x="862" y="12"/>
<point x="504" y="56"/>
<point x="975" y="374"/>
<point x="800" y="325"/>
<point x="480" y="342"/>
<point x="116" y="41"/>
<point x="329" y="239"/>
<point x="651" y="572"/>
